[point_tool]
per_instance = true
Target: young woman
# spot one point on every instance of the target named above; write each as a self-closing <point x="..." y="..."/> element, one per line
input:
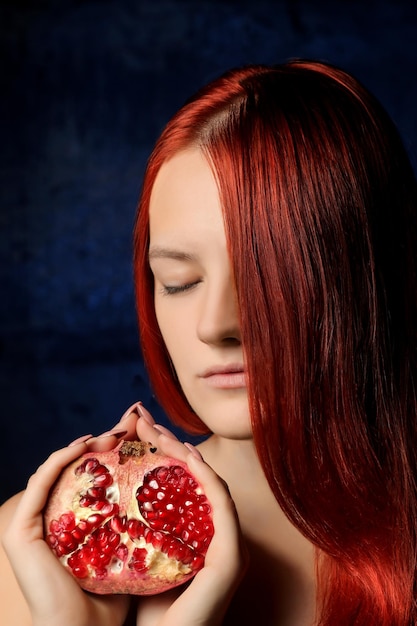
<point x="276" y="289"/>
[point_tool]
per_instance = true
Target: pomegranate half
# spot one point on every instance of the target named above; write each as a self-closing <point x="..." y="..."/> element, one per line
<point x="130" y="520"/>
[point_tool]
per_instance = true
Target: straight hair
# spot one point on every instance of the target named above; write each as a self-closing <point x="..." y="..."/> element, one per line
<point x="319" y="202"/>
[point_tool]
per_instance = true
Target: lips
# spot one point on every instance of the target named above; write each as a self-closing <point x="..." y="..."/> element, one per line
<point x="225" y="377"/>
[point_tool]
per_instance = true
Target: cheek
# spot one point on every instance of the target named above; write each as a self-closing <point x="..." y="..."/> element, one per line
<point x="176" y="333"/>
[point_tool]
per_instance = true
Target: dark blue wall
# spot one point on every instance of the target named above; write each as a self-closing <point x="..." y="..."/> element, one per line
<point x="85" y="89"/>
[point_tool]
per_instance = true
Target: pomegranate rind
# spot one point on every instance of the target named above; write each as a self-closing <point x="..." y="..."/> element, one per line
<point x="128" y="521"/>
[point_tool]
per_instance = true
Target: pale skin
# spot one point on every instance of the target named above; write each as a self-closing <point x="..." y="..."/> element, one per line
<point x="198" y="318"/>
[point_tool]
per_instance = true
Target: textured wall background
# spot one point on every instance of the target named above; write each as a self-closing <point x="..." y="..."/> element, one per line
<point x="85" y="89"/>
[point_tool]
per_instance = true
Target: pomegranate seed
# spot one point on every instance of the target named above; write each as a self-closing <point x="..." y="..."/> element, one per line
<point x="108" y="509"/>
<point x="161" y="473"/>
<point x="98" y="493"/>
<point x="122" y="552"/>
<point x="65" y="538"/>
<point x="85" y="554"/>
<point x="101" y="574"/>
<point x="60" y="550"/>
<point x="89" y="465"/>
<point x="100" y="560"/>
<point x="107" y="549"/>
<point x="157" y="540"/>
<point x="86" y="501"/>
<point x="197" y="562"/>
<point x="118" y="524"/>
<point x="80" y="571"/>
<point x="143" y="493"/>
<point x="135" y="528"/>
<point x="114" y="539"/>
<point x="74" y="559"/>
<point x="101" y="535"/>
<point x="83" y="526"/>
<point x="78" y="534"/>
<point x="67" y="521"/>
<point x="138" y="560"/>
<point x="95" y="520"/>
<point x="55" y="527"/>
<point x="51" y="540"/>
<point x="103" y="480"/>
<point x="147" y="533"/>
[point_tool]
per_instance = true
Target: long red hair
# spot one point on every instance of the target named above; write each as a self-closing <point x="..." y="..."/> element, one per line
<point x="319" y="202"/>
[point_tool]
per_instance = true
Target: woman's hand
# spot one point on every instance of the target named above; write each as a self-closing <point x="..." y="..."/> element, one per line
<point x="206" y="599"/>
<point x="53" y="597"/>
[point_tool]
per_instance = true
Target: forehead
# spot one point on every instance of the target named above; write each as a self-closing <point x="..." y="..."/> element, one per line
<point x="184" y="197"/>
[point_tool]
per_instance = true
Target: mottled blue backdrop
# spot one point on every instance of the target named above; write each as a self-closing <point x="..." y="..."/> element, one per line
<point x="85" y="89"/>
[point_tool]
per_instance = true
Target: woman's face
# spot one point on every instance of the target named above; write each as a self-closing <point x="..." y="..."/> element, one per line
<point x="194" y="293"/>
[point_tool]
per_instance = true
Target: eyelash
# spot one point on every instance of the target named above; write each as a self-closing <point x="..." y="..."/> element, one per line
<point x="172" y="290"/>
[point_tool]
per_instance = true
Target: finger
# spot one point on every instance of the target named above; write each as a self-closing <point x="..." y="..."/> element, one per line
<point x="82" y="439"/>
<point x="227" y="543"/>
<point x="40" y="483"/>
<point x="128" y="421"/>
<point x="124" y="429"/>
<point x="145" y="428"/>
<point x="143" y="412"/>
<point x="106" y="441"/>
<point x="215" y="488"/>
<point x="172" y="447"/>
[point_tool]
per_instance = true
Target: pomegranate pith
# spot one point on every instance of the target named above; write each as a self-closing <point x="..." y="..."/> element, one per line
<point x="128" y="521"/>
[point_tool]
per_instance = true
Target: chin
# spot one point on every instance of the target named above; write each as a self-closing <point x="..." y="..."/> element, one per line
<point x="227" y="426"/>
<point x="227" y="417"/>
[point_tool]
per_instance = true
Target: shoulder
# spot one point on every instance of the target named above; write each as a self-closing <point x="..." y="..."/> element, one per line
<point x="13" y="607"/>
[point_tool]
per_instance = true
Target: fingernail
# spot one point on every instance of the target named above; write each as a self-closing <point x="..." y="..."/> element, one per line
<point x="80" y="440"/>
<point x="164" y="431"/>
<point x="145" y="414"/>
<point x="194" y="451"/>
<point x="113" y="433"/>
<point x="132" y="410"/>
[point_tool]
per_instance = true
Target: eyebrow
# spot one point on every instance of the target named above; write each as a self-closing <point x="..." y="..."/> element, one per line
<point x="159" y="252"/>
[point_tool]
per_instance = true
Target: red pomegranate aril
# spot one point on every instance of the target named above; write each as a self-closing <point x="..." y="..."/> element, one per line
<point x="135" y="529"/>
<point x="118" y="524"/>
<point x="60" y="550"/>
<point x="80" y="571"/>
<point x="129" y="521"/>
<point x="99" y="470"/>
<point x="109" y="509"/>
<point x="67" y="521"/>
<point x="66" y="540"/>
<point x="103" y="480"/>
<point x="97" y="493"/>
<point x="95" y="520"/>
<point x="86" y="501"/>
<point x="138" y="560"/>
<point x="55" y="527"/>
<point x="51" y="540"/>
<point x="122" y="552"/>
<point x="101" y="574"/>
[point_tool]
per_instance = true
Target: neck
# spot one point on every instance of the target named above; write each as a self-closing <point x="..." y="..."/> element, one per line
<point x="269" y="535"/>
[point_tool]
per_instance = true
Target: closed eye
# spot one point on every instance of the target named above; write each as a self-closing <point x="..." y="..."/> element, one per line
<point x="171" y="290"/>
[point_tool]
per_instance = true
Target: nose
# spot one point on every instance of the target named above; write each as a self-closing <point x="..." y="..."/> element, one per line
<point x="218" y="322"/>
